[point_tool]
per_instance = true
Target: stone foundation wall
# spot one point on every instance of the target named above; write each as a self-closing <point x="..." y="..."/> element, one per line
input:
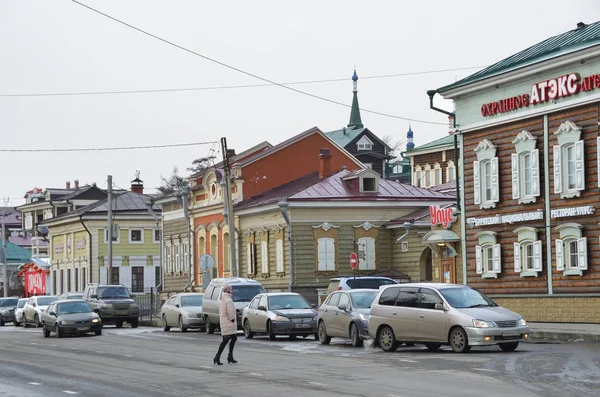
<point x="555" y="309"/>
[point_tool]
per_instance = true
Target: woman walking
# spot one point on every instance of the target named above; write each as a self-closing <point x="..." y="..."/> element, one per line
<point x="228" y="325"/>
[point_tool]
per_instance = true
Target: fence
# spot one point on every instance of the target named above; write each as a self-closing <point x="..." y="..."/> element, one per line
<point x="148" y="302"/>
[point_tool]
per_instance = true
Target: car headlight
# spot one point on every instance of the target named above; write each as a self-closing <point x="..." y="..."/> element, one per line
<point x="190" y="314"/>
<point x="522" y="322"/>
<point x="67" y="322"/>
<point x="364" y="317"/>
<point x="95" y="320"/>
<point x="4" y="312"/>
<point x="483" y="324"/>
<point x="281" y="318"/>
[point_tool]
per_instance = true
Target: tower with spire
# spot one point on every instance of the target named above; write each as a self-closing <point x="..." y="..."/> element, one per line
<point x="409" y="139"/>
<point x="355" y="121"/>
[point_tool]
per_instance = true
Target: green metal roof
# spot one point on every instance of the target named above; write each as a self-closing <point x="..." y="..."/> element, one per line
<point x="562" y="44"/>
<point x="344" y="136"/>
<point x="445" y="141"/>
<point x="16" y="254"/>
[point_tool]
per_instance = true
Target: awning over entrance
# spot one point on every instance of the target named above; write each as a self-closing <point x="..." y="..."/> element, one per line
<point x="440" y="238"/>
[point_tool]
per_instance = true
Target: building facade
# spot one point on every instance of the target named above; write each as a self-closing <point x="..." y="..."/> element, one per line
<point x="530" y="152"/>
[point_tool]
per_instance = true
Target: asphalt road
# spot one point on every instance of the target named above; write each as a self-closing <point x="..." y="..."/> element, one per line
<point x="148" y="362"/>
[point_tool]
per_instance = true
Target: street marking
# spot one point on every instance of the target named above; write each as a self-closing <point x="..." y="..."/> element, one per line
<point x="407" y="361"/>
<point x="128" y="355"/>
<point x="33" y="343"/>
<point x="317" y="383"/>
<point x="35" y="383"/>
<point x="254" y="374"/>
<point x="205" y="366"/>
<point x="69" y="392"/>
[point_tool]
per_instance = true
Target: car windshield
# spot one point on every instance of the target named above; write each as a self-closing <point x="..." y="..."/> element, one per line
<point x="466" y="297"/>
<point x="45" y="301"/>
<point x="363" y="300"/>
<point x="370" y="283"/>
<point x="73" y="307"/>
<point x="113" y="293"/>
<point x="75" y="296"/>
<point x="280" y="302"/>
<point x="191" y="300"/>
<point x="245" y="293"/>
<point x="8" y="302"/>
<point x="21" y="303"/>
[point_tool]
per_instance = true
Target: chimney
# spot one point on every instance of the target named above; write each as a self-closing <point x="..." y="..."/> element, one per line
<point x="76" y="183"/>
<point x="137" y="185"/>
<point x="68" y="184"/>
<point x="580" y="25"/>
<point x="325" y="163"/>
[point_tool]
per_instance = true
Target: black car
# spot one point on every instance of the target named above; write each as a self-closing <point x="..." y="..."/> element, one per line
<point x="70" y="317"/>
<point x="7" y="310"/>
<point x="113" y="303"/>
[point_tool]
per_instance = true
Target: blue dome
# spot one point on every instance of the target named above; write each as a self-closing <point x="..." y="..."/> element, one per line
<point x="409" y="134"/>
<point x="354" y="76"/>
<point x="410" y="145"/>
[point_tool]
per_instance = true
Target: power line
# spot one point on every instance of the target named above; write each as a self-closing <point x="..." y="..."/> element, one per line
<point x="248" y="73"/>
<point x="109" y="148"/>
<point x="224" y="87"/>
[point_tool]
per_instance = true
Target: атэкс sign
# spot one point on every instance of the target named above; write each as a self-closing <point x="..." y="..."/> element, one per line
<point x="544" y="91"/>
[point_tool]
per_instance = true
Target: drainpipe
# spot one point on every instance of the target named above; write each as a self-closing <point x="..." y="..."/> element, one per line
<point x="90" y="253"/>
<point x="407" y="226"/>
<point x="283" y="207"/>
<point x="160" y="251"/>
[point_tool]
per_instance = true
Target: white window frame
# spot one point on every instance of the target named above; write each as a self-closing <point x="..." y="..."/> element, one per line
<point x="418" y="176"/>
<point x="186" y="257"/>
<point x="523" y="177"/>
<point x="326" y="254"/>
<point x="427" y="175"/>
<point x="486" y="154"/>
<point x="368" y="165"/>
<point x="450" y="171"/>
<point x="154" y="239"/>
<point x="488" y="256"/>
<point x="279" y="255"/>
<point x="437" y="174"/>
<point x="168" y="253"/>
<point x="141" y="230"/>
<point x="177" y="256"/>
<point x="117" y="241"/>
<point x="527" y="237"/>
<point x="367" y="250"/>
<point x="569" y="136"/>
<point x="364" y="143"/>
<point x="571" y="233"/>
<point x="250" y="257"/>
<point x="264" y="257"/>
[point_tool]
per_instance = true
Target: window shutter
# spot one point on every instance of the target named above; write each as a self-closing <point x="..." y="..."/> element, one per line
<point x="322" y="254"/>
<point x="249" y="254"/>
<point x="362" y="253"/>
<point x="476" y="183"/>
<point x="537" y="256"/>
<point x="517" y="255"/>
<point x="330" y="254"/>
<point x="478" y="264"/>
<point x="495" y="171"/>
<point x="264" y="257"/>
<point x="582" y="253"/>
<point x="371" y="253"/>
<point x="557" y="170"/>
<point x="514" y="159"/>
<point x="535" y="172"/>
<point x="279" y="255"/>
<point x="560" y="258"/>
<point x="598" y="159"/>
<point x="579" y="166"/>
<point x="496" y="258"/>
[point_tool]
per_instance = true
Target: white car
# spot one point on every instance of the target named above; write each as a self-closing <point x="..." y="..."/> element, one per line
<point x="19" y="311"/>
<point x="184" y="311"/>
<point x="33" y="309"/>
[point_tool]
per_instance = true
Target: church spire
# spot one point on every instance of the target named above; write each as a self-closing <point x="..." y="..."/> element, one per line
<point x="355" y="121"/>
<point x="409" y="139"/>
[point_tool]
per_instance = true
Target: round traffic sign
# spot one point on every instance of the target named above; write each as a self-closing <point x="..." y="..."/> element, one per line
<point x="207" y="262"/>
<point x="353" y="260"/>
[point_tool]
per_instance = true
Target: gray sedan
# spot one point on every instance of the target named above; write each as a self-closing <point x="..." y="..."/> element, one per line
<point x="184" y="311"/>
<point x="279" y="313"/>
<point x="345" y="314"/>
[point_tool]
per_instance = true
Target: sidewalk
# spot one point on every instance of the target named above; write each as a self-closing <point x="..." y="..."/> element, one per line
<point x="564" y="332"/>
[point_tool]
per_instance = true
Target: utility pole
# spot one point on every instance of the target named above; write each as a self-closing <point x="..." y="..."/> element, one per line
<point x="228" y="205"/>
<point x="110" y="232"/>
<point x="4" y="257"/>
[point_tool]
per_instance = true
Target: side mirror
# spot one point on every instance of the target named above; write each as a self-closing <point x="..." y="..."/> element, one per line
<point x="52" y="313"/>
<point x="439" y="306"/>
<point x="96" y="310"/>
<point x="94" y="296"/>
<point x="342" y="307"/>
<point x="34" y="304"/>
<point x="177" y="305"/>
<point x="261" y="307"/>
<point x="313" y="306"/>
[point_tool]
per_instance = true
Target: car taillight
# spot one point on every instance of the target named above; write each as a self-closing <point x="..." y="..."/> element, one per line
<point x="340" y="288"/>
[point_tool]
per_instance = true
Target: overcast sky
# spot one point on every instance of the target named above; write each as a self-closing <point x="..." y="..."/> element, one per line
<point x="59" y="46"/>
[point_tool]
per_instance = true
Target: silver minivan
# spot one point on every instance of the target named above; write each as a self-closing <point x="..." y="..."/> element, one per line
<point x="442" y="314"/>
<point x="243" y="290"/>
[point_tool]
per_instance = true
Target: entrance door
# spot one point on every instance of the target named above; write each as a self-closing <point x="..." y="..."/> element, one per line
<point x="448" y="267"/>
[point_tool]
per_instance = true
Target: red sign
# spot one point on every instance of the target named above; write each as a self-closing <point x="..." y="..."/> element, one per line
<point x="442" y="216"/>
<point x="544" y="91"/>
<point x="34" y="280"/>
<point x="353" y="260"/>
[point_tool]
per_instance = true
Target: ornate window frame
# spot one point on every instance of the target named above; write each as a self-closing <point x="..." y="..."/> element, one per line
<point x="527" y="237"/>
<point x="486" y="154"/>
<point x="569" y="141"/>
<point x="571" y="237"/>
<point x="526" y="157"/>
<point x="488" y="258"/>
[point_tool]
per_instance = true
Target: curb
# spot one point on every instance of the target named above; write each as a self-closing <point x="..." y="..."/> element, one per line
<point x="539" y="336"/>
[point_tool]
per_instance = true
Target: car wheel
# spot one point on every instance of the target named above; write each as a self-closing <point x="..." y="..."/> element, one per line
<point x="459" y="341"/>
<point x="25" y="322"/>
<point x="292" y="337"/>
<point x="322" y="333"/>
<point x="59" y="332"/>
<point x="46" y="332"/>
<point x="119" y="324"/>
<point x="387" y="339"/>
<point x="135" y="322"/>
<point x="210" y="328"/>
<point x="1" y="322"/>
<point x="182" y="327"/>
<point x="355" y="336"/>
<point x="98" y="332"/>
<point x="509" y="347"/>
<point x="36" y="321"/>
<point x="433" y="346"/>
<point x="270" y="331"/>
<point x="247" y="332"/>
<point x="16" y="323"/>
<point x="166" y="327"/>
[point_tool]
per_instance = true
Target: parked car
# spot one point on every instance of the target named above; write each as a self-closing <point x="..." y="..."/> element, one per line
<point x="443" y="314"/>
<point x="69" y="316"/>
<point x="345" y="314"/>
<point x="70" y="295"/>
<point x="113" y="303"/>
<point x="279" y="313"/>
<point x="366" y="282"/>
<point x="182" y="310"/>
<point x="243" y="291"/>
<point x="7" y="310"/>
<point x="34" y="308"/>
<point x="19" y="311"/>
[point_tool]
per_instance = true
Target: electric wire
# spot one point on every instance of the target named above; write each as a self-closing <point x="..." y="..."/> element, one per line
<point x="248" y="73"/>
<point x="108" y="148"/>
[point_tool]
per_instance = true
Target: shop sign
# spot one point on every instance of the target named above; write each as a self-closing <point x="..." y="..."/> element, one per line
<point x="543" y="91"/>
<point x="442" y="216"/>
<point x="58" y="249"/>
<point x="80" y="244"/>
<point x="507" y="218"/>
<point x="573" y="211"/>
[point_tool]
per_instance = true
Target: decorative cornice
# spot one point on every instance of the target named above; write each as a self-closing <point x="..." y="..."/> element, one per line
<point x="277" y="228"/>
<point x="484" y="144"/>
<point x="248" y="232"/>
<point x="523" y="136"/>
<point x="326" y="226"/>
<point x="366" y="225"/>
<point x="567" y="126"/>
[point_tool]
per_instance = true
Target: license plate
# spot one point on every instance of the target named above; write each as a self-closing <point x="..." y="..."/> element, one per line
<point x="302" y="325"/>
<point x="82" y="329"/>
<point x="510" y="333"/>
